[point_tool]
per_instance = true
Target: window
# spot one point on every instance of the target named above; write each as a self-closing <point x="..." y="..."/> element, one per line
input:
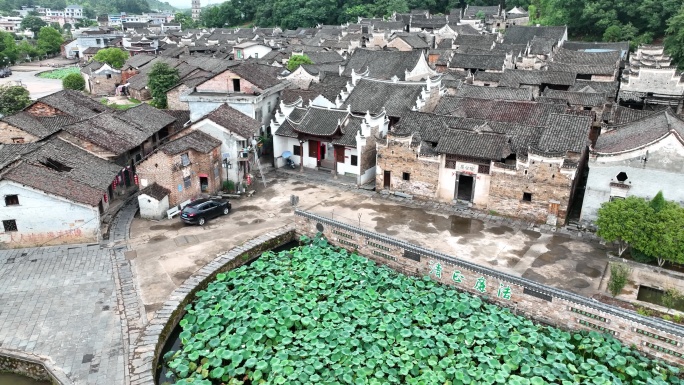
<point x="527" y="197"/>
<point x="10" y="225"/>
<point x="11" y="200"/>
<point x="236" y="85"/>
<point x="109" y="76"/>
<point x="239" y="54"/>
<point x="185" y="160"/>
<point x="97" y="41"/>
<point x="621" y="177"/>
<point x="256" y="55"/>
<point x="187" y="181"/>
<point x="17" y="140"/>
<point x="354" y="160"/>
<point x="406" y="176"/>
<point x="296" y="150"/>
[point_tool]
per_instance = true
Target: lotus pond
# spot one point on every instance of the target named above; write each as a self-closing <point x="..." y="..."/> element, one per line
<point x="318" y="314"/>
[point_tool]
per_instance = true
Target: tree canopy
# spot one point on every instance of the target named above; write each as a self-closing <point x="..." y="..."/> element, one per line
<point x="33" y="24"/>
<point x="655" y="227"/>
<point x="9" y="50"/>
<point x="297" y="60"/>
<point x="49" y="40"/>
<point x="115" y="57"/>
<point x="74" y="82"/>
<point x="13" y="99"/>
<point x="160" y="79"/>
<point x="674" y="41"/>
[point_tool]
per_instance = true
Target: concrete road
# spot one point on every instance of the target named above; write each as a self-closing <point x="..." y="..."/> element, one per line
<point x="36" y="86"/>
<point x="167" y="252"/>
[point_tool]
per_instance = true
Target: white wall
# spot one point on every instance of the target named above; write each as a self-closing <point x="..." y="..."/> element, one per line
<point x="447" y="184"/>
<point x="46" y="219"/>
<point x="150" y="208"/>
<point x="229" y="145"/>
<point x="256" y="51"/>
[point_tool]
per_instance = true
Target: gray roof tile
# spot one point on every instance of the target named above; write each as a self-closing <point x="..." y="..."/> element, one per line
<point x="196" y="140"/>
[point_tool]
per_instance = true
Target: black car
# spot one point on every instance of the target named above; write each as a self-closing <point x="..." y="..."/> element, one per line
<point x="201" y="210"/>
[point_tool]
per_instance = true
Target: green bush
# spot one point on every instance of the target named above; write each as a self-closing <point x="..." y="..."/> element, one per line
<point x="642" y="257"/>
<point x="74" y="82"/>
<point x="228" y="185"/>
<point x="619" y="274"/>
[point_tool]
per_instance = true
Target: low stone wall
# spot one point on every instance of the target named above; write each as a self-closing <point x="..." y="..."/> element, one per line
<point x="544" y="304"/>
<point x="31" y="367"/>
<point x="148" y="347"/>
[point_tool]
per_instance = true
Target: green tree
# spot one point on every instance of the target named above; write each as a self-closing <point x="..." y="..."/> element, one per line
<point x="185" y="20"/>
<point x="671" y="297"/>
<point x="619" y="274"/>
<point x="160" y="79"/>
<point x="621" y="220"/>
<point x="74" y="82"/>
<point x="33" y="24"/>
<point x="662" y="232"/>
<point x="115" y="57"/>
<point x="85" y="23"/>
<point x="9" y="51"/>
<point x="49" y="40"/>
<point x="297" y="60"/>
<point x="613" y="33"/>
<point x="480" y="15"/>
<point x="13" y="99"/>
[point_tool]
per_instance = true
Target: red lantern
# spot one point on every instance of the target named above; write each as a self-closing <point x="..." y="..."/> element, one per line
<point x="135" y="178"/>
<point x="106" y="198"/>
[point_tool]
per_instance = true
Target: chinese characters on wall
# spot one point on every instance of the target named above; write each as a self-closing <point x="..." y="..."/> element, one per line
<point x="503" y="292"/>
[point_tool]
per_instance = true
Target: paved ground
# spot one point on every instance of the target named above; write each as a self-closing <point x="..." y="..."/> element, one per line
<point x="164" y="253"/>
<point x="61" y="303"/>
<point x="26" y="76"/>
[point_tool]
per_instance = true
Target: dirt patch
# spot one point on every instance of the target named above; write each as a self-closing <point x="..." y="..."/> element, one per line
<point x="548" y="258"/>
<point x="500" y="230"/>
<point x="531" y="233"/>
<point x="158" y="238"/>
<point x="302" y="188"/>
<point x="578" y="283"/>
<point x="461" y="226"/>
<point x="286" y="210"/>
<point x="174" y="225"/>
<point x="585" y="269"/>
<point x="530" y="274"/>
<point x="247" y="208"/>
<point x="241" y="223"/>
<point x="180" y="277"/>
<point x="254" y="222"/>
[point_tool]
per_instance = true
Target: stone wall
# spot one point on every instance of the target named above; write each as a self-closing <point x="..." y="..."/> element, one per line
<point x="11" y="134"/>
<point x="367" y="157"/>
<point x="547" y="182"/>
<point x="165" y="171"/>
<point x="146" y="351"/>
<point x="30" y="366"/>
<point x="101" y="85"/>
<point x="399" y="157"/>
<point x="223" y="82"/>
<point x="173" y="98"/>
<point x="544" y="304"/>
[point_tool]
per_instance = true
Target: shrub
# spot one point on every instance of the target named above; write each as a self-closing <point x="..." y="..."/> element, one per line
<point x="642" y="257"/>
<point x="74" y="82"/>
<point x="228" y="185"/>
<point x="618" y="278"/>
<point x="671" y="297"/>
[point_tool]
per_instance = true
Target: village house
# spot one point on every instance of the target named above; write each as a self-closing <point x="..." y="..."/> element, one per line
<point x="250" y="50"/>
<point x="403" y="65"/>
<point x="75" y="185"/>
<point x="597" y="66"/>
<point x="252" y="89"/>
<point x="330" y="139"/>
<point x="101" y="78"/>
<point x="153" y="201"/>
<point x="650" y="80"/>
<point x="637" y="158"/>
<point x="235" y="131"/>
<point x="187" y="167"/>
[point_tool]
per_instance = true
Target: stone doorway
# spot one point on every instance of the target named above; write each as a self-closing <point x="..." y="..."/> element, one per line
<point x="464" y="188"/>
<point x="386" y="177"/>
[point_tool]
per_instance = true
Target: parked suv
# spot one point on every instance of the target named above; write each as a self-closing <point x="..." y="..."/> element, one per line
<point x="5" y="72"/>
<point x="201" y="210"/>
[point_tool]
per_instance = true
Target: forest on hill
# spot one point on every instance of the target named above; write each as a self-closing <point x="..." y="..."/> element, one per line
<point x="641" y="21"/>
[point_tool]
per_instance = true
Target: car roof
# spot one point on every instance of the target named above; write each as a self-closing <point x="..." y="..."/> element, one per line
<point x="197" y="202"/>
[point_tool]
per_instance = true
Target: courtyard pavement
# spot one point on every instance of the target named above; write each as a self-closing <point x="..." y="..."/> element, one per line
<point x="60" y="303"/>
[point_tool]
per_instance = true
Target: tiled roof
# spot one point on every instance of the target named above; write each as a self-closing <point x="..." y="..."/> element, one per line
<point x="471" y="11"/>
<point x="582" y="69"/>
<point x="321" y="121"/>
<point x="262" y="76"/>
<point x="609" y="88"/>
<point x="567" y="56"/>
<point x="565" y="133"/>
<point x="10" y="153"/>
<point x="348" y="138"/>
<point x="484" y="76"/>
<point x="521" y="112"/>
<point x="235" y="121"/>
<point x="431" y="126"/>
<point x="382" y="64"/>
<point x="636" y="134"/>
<point x="481" y="41"/>
<point x="479" y="144"/>
<point x="586" y="99"/>
<point x="196" y="140"/>
<point x="137" y="61"/>
<point x="74" y="103"/>
<point x="52" y="182"/>
<point x="413" y="41"/>
<point x="372" y="95"/>
<point x="181" y="116"/>
<point x="37" y="126"/>
<point x="518" y="34"/>
<point x="286" y="129"/>
<point x="388" y="25"/>
<point x="621" y="115"/>
<point x="542" y="46"/>
<point x="501" y="93"/>
<point x="515" y="78"/>
<point x="621" y="46"/>
<point x="481" y="62"/>
<point x="325" y="57"/>
<point x="445" y="44"/>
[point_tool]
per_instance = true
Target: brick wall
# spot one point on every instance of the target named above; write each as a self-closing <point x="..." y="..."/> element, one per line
<point x="166" y="171"/>
<point x="8" y="134"/>
<point x="367" y="156"/>
<point x="544" y="180"/>
<point x="400" y="45"/>
<point x="127" y="74"/>
<point x="42" y="109"/>
<point x="223" y="82"/>
<point x="173" y="99"/>
<point x="100" y="85"/>
<point x="541" y="303"/>
<point x="399" y="157"/>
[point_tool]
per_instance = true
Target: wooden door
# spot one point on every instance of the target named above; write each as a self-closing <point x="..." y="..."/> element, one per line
<point x="386" y="179"/>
